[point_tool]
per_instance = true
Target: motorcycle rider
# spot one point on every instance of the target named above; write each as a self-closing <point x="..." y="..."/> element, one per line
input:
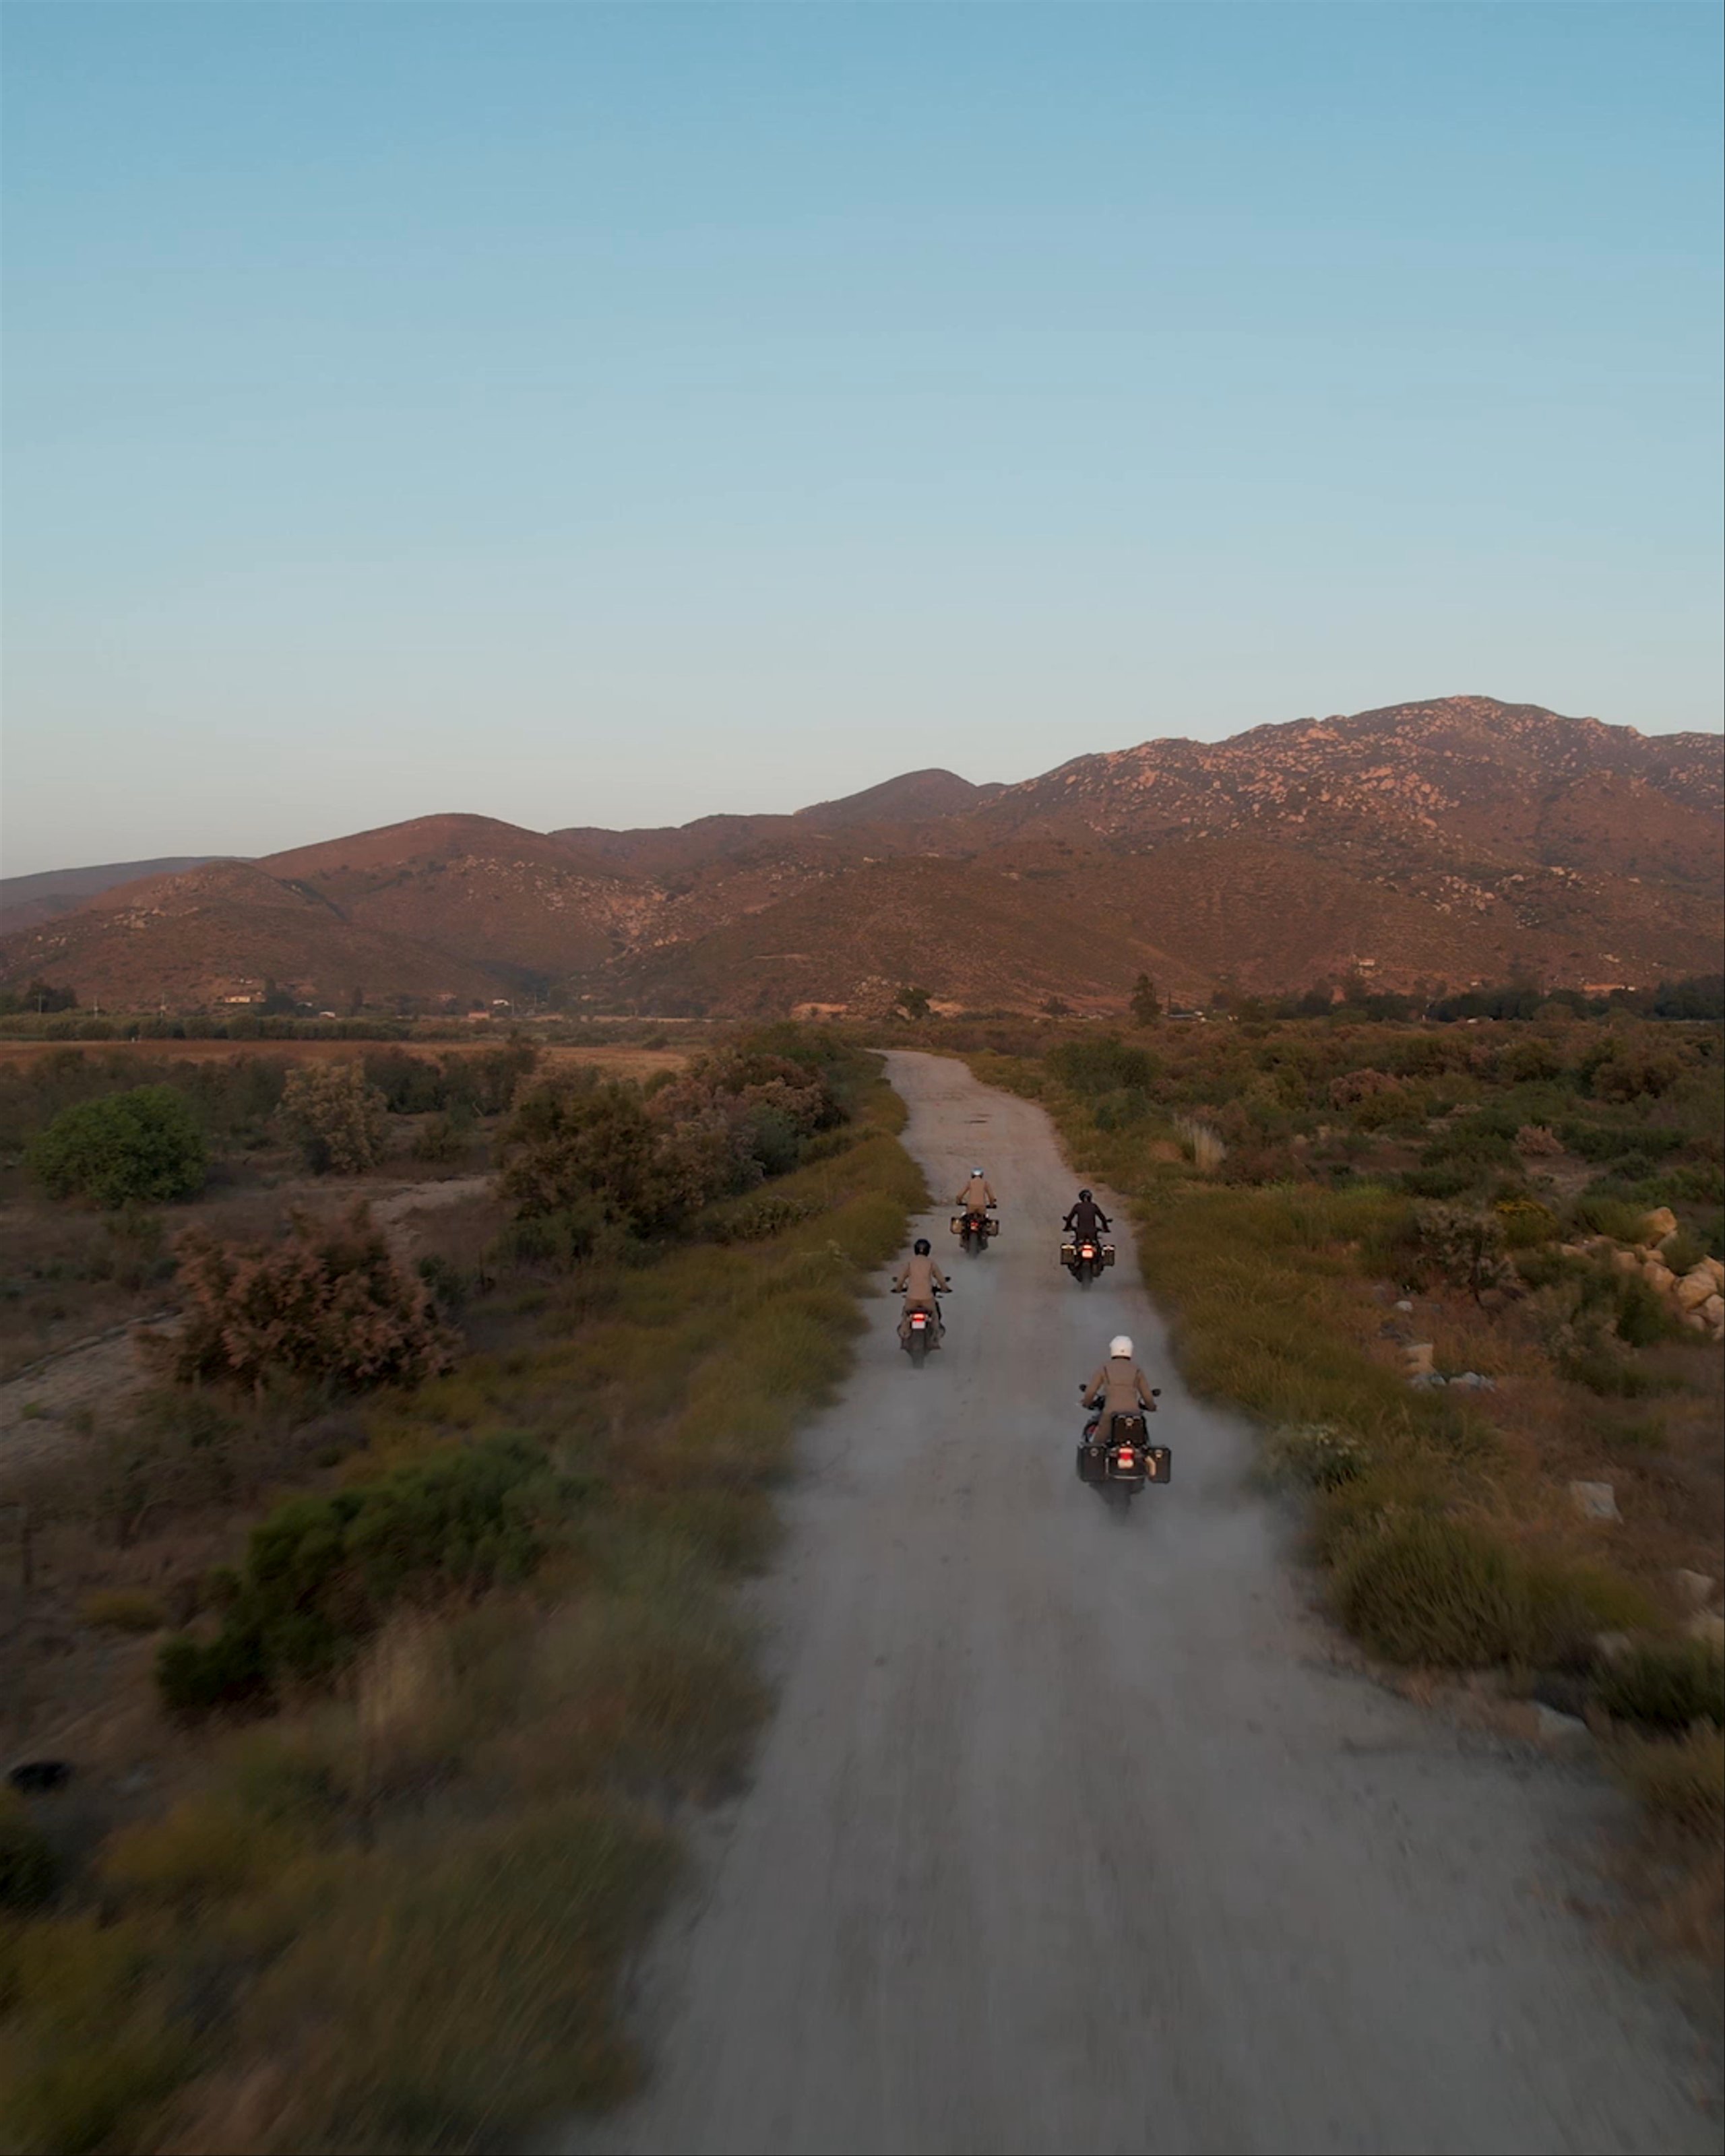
<point x="976" y="1197"/>
<point x="1119" y="1387"/>
<point x="921" y="1283"/>
<point x="1087" y="1223"/>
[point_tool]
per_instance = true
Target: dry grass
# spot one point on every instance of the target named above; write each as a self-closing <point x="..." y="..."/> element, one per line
<point x="623" y="1060"/>
<point x="392" y="1917"/>
<point x="1442" y="1521"/>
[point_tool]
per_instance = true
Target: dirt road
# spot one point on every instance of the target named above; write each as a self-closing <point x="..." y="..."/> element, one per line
<point x="1069" y="1835"/>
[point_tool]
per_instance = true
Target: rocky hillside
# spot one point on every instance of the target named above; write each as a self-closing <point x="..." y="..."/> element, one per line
<point x="523" y="905"/>
<point x="1448" y="841"/>
<point x="26" y="901"/>
<point x="216" y="935"/>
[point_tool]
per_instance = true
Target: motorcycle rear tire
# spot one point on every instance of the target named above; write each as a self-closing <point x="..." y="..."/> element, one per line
<point x="918" y="1353"/>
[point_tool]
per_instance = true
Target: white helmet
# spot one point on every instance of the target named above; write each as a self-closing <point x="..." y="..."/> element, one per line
<point x="1120" y="1345"/>
<point x="975" y="1171"/>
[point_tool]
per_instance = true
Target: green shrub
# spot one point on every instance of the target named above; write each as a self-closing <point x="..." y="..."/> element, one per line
<point x="1600" y="1142"/>
<point x="1571" y="1603"/>
<point x="1615" y="1378"/>
<point x="1435" y="1591"/>
<point x="1120" y="1111"/>
<point x="1694" y="1183"/>
<point x="556" y="1240"/>
<point x="194" y="1675"/>
<point x="578" y="1149"/>
<point x="1107" y="1065"/>
<point x="1530" y="1061"/>
<point x="92" y="2046"/>
<point x="1527" y="1224"/>
<point x="1599" y="1214"/>
<point x="335" y="1118"/>
<point x="1682" y="1252"/>
<point x="1664" y="1684"/>
<point x="1682" y="1784"/>
<point x="1643" y="1316"/>
<point x="440" y="1140"/>
<point x="445" y="1282"/>
<point x="1464" y="1247"/>
<point x="143" y="1148"/>
<point x="1481" y="1140"/>
<point x="28" y="1867"/>
<point x="1318" y="1456"/>
<point x="1438" y="1183"/>
<point x="757" y="1219"/>
<point x="321" y="1571"/>
<point x="1629" y="1073"/>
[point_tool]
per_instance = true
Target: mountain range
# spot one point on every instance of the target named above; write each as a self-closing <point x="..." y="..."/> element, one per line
<point x="1450" y="841"/>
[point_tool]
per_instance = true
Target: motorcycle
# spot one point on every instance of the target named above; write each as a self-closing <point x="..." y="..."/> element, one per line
<point x="1084" y="1257"/>
<point x="922" y="1332"/>
<point x="1121" y="1462"/>
<point x="973" y="1227"/>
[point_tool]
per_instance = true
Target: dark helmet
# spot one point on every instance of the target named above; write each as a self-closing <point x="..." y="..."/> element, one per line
<point x="923" y="1247"/>
<point x="1083" y="1194"/>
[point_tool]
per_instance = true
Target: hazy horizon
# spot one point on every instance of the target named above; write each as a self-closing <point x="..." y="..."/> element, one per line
<point x="615" y="415"/>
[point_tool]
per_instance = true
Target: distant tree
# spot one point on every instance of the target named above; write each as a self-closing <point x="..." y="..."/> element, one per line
<point x="914" y="1003"/>
<point x="276" y="1002"/>
<point x="42" y="996"/>
<point x="141" y="1147"/>
<point x="335" y="1116"/>
<point x="1146" y="1004"/>
<point x="1055" y="1007"/>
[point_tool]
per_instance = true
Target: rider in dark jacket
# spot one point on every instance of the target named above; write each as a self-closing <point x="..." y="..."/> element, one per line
<point x="1087" y="1219"/>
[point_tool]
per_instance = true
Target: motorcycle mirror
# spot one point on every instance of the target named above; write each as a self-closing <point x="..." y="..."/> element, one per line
<point x="1155" y="1392"/>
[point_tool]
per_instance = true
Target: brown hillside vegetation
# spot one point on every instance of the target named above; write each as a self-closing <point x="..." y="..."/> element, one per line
<point x="490" y="893"/>
<point x="1449" y="841"/>
<point x="27" y="901"/>
<point x="221" y="931"/>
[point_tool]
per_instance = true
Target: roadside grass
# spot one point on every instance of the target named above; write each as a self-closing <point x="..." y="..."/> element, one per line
<point x="391" y="1914"/>
<point x="1441" y="1523"/>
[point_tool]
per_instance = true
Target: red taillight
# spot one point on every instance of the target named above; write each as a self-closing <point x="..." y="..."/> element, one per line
<point x="1088" y="1250"/>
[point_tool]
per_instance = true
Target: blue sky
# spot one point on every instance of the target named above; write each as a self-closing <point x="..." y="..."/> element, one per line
<point x="617" y="414"/>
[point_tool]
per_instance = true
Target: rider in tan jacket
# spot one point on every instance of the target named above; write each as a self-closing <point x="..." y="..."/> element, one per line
<point x="1120" y="1387"/>
<point x="921" y="1283"/>
<point x="976" y="1194"/>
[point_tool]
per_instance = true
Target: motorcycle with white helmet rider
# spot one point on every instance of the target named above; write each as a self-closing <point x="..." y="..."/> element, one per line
<point x="1115" y="1454"/>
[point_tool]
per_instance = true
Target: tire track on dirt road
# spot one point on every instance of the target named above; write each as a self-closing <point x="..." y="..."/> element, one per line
<point x="1067" y="1833"/>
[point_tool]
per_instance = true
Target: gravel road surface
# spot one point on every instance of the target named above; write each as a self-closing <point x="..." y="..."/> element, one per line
<point x="1069" y="1834"/>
